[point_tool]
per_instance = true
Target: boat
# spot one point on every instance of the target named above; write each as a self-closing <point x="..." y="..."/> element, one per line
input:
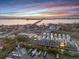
<point x="57" y="56"/>
<point x="38" y="53"/>
<point x="30" y="50"/>
<point x="33" y="52"/>
<point x="45" y="53"/>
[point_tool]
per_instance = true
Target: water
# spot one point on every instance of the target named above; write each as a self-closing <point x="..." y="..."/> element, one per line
<point x="21" y="21"/>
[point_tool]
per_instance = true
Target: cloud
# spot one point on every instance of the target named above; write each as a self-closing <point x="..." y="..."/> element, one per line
<point x="43" y="7"/>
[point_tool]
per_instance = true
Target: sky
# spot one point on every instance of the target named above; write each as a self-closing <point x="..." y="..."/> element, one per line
<point x="39" y="7"/>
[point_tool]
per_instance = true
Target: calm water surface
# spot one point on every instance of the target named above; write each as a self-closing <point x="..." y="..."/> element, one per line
<point x="21" y="21"/>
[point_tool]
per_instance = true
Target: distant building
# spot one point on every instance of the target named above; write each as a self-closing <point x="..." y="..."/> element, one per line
<point x="54" y="38"/>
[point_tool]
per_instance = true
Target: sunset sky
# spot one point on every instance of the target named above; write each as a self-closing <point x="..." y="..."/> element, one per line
<point x="39" y="7"/>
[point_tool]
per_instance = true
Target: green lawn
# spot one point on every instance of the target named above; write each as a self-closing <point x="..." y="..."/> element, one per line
<point x="69" y="57"/>
<point x="75" y="35"/>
